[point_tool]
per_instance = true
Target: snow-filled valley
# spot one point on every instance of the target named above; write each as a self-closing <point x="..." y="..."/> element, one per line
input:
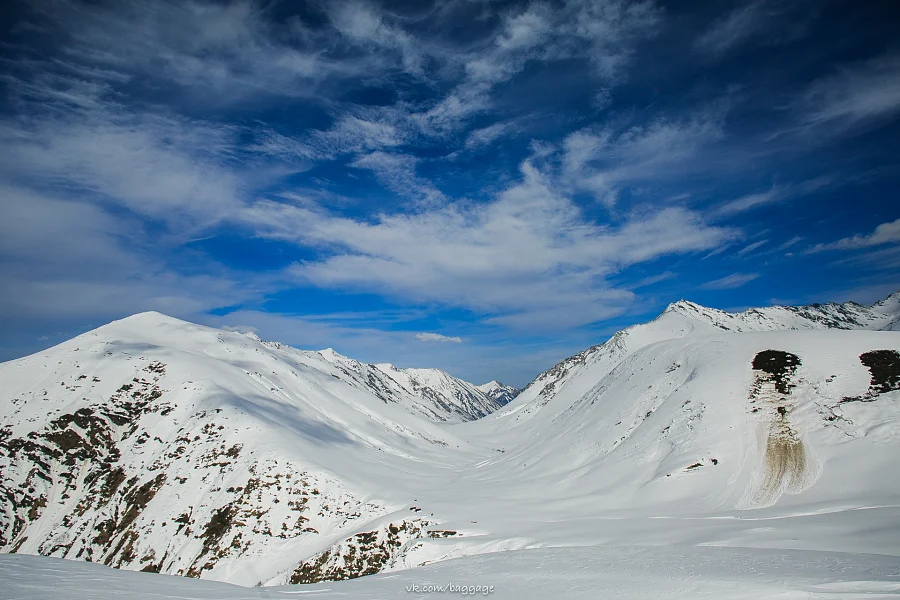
<point x="703" y="454"/>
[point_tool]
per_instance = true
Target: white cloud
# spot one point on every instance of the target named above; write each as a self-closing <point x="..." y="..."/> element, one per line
<point x="603" y="33"/>
<point x="289" y="149"/>
<point x="886" y="233"/>
<point x="602" y="99"/>
<point x="360" y="22"/>
<point x="857" y="95"/>
<point x="354" y="134"/>
<point x="750" y="201"/>
<point x="437" y="337"/>
<point x="528" y="253"/>
<point x="398" y="172"/>
<point x="652" y="280"/>
<point x="735" y="280"/>
<point x="774" y="194"/>
<point x="602" y="160"/>
<point x="227" y="53"/>
<point x="193" y="44"/>
<point x="162" y="167"/>
<point x="762" y="21"/>
<point x="791" y="242"/>
<point x="63" y="258"/>
<point x="736" y="27"/>
<point x="751" y="247"/>
<point x="487" y="135"/>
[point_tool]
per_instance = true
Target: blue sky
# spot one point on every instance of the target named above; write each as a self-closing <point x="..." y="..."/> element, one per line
<point x="480" y="186"/>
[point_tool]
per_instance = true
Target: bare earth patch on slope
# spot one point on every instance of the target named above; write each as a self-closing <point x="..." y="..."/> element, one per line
<point x="786" y="463"/>
<point x="367" y="553"/>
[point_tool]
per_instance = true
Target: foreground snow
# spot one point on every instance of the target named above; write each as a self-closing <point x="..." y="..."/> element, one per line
<point x="650" y="573"/>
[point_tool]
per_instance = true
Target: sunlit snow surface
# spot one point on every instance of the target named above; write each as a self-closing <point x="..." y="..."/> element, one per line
<point x="658" y="465"/>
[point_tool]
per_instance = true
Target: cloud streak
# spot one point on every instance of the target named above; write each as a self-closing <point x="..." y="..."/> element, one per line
<point x="437" y="337"/>
<point x="730" y="282"/>
<point x="601" y="160"/>
<point x="777" y="193"/>
<point x="854" y="97"/>
<point x="760" y="21"/>
<point x="886" y="233"/>
<point x="602" y="33"/>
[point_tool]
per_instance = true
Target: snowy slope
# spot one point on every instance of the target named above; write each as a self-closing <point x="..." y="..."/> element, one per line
<point x="578" y="374"/>
<point x="676" y="435"/>
<point x="890" y="307"/>
<point x="432" y="393"/>
<point x="156" y="444"/>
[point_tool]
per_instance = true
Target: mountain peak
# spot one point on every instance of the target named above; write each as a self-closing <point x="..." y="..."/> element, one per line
<point x="502" y="394"/>
<point x="330" y="354"/>
<point x="148" y="316"/>
<point x="684" y="306"/>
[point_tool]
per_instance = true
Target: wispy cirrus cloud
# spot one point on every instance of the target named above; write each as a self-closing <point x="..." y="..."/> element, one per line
<point x="602" y="33"/>
<point x="234" y="50"/>
<point x="437" y="337"/>
<point x="362" y="23"/>
<point x="730" y="282"/>
<point x="886" y="233"/>
<point x="736" y="27"/>
<point x="159" y="166"/>
<point x="103" y="265"/>
<point x="99" y="198"/>
<point x="488" y="135"/>
<point x="761" y="21"/>
<point x="601" y="160"/>
<point x="854" y="97"/>
<point x="776" y="193"/>
<point x="790" y="243"/>
<point x="752" y="247"/>
<point x="398" y="173"/>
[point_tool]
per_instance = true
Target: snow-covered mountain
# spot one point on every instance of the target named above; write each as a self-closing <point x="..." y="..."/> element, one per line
<point x="433" y="393"/>
<point x="502" y="394"/>
<point x="154" y="444"/>
<point x="579" y="373"/>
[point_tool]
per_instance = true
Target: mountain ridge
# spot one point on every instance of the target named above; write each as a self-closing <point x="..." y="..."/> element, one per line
<point x="159" y="445"/>
<point x="682" y="318"/>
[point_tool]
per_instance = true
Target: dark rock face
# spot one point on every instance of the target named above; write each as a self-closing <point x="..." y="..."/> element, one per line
<point x="366" y="553"/>
<point x="780" y="365"/>
<point x="884" y="365"/>
<point x="98" y="483"/>
<point x="79" y="452"/>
